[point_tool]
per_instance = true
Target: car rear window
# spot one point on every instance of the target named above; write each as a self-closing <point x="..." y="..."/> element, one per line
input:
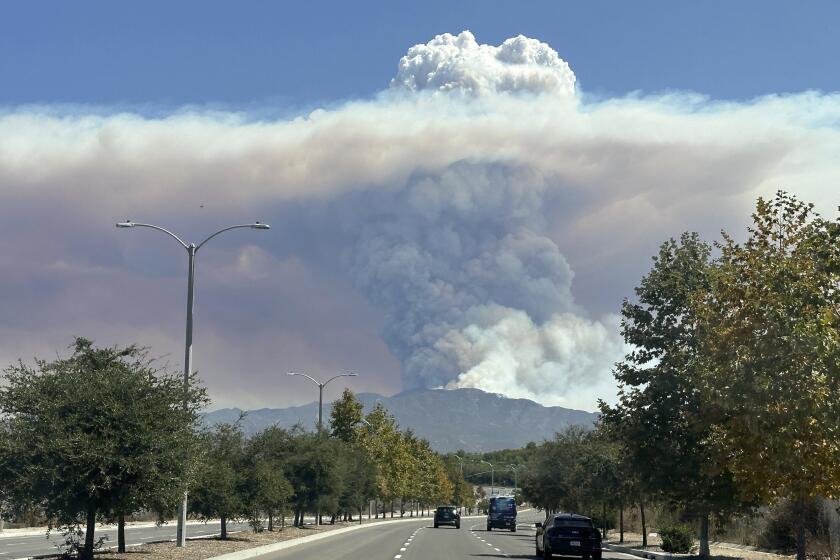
<point x="573" y="523"/>
<point x="446" y="510"/>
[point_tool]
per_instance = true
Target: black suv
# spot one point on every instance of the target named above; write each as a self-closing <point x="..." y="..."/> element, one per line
<point x="447" y="515"/>
<point x="568" y="534"/>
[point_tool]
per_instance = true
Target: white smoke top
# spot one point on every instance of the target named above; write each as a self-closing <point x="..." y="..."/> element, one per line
<point x="459" y="63"/>
<point x="486" y="236"/>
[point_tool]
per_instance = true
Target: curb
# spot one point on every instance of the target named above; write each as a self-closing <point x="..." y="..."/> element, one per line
<point x="646" y="553"/>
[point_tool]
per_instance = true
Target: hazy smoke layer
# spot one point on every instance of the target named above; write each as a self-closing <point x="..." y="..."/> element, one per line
<point x="458" y="63"/>
<point x="457" y="203"/>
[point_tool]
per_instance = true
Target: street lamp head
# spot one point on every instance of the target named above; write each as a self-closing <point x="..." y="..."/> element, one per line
<point x="125" y="224"/>
<point x="291" y="373"/>
<point x="352" y="375"/>
<point x="257" y="225"/>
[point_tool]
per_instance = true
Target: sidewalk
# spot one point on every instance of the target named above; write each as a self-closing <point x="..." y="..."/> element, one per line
<point x="633" y="545"/>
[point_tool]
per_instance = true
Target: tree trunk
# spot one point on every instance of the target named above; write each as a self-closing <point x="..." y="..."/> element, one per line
<point x="604" y="510"/>
<point x="90" y="529"/>
<point x="283" y="519"/>
<point x="224" y="527"/>
<point x="392" y="509"/>
<point x="360" y="514"/>
<point x="621" y="523"/>
<point x="121" y="533"/>
<point x="644" y="525"/>
<point x="800" y="531"/>
<point x="270" y="520"/>
<point x="704" y="537"/>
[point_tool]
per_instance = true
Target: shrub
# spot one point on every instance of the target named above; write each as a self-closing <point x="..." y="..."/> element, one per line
<point x="677" y="538"/>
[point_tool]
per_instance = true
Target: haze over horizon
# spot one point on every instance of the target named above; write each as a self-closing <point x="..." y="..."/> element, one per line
<point x="474" y="221"/>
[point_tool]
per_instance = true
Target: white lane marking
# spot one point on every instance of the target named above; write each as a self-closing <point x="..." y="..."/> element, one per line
<point x="402" y="549"/>
<point x="496" y="549"/>
<point x="397" y="556"/>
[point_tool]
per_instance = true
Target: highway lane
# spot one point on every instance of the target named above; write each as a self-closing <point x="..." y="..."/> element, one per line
<point x="418" y="540"/>
<point x="12" y="547"/>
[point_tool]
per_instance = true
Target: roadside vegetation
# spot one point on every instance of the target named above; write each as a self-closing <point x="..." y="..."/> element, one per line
<point x="729" y="399"/>
<point x="103" y="436"/>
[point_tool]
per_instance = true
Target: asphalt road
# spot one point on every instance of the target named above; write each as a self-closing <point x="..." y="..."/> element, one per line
<point x="420" y="541"/>
<point x="36" y="545"/>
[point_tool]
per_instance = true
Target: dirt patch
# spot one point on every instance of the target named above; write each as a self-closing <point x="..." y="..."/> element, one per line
<point x="203" y="548"/>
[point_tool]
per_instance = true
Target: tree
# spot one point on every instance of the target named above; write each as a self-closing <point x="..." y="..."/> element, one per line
<point x="219" y="491"/>
<point x="97" y="434"/>
<point x="268" y="491"/>
<point x="359" y="481"/>
<point x="770" y="330"/>
<point x="345" y="417"/>
<point x="661" y="416"/>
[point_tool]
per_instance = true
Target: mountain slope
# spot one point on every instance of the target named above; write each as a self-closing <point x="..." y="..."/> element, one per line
<point x="467" y="419"/>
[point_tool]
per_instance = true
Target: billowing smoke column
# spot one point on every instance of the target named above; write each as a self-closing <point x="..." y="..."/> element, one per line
<point x="476" y="294"/>
<point x="459" y="63"/>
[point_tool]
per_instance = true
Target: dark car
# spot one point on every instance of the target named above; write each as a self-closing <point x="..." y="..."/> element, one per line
<point x="502" y="513"/>
<point x="568" y="534"/>
<point x="447" y="515"/>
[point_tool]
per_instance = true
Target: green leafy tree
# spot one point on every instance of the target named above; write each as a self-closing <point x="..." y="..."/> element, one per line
<point x="220" y="488"/>
<point x="97" y="434"/>
<point x="661" y="416"/>
<point x="268" y="491"/>
<point x="359" y="481"/>
<point x="770" y="328"/>
<point x="346" y="416"/>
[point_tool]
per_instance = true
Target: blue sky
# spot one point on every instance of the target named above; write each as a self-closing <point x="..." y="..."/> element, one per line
<point x="304" y="53"/>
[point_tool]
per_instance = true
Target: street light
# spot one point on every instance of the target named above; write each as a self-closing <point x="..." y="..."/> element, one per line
<point x="515" y="468"/>
<point x="191" y="249"/>
<point x="492" y="477"/>
<point x="320" y="418"/>
<point x="321" y="391"/>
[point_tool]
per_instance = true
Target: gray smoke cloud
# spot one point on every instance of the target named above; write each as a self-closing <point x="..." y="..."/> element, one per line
<point x="475" y="292"/>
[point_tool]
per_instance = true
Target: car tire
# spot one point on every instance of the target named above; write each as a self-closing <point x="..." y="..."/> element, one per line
<point x="596" y="555"/>
<point x="489" y="528"/>
<point x="547" y="553"/>
<point x="436" y="525"/>
<point x="513" y="529"/>
<point x="458" y="526"/>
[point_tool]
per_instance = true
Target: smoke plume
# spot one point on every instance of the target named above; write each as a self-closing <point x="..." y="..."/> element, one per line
<point x="480" y="216"/>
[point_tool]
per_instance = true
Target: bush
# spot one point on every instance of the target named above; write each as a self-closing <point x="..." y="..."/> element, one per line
<point x="677" y="538"/>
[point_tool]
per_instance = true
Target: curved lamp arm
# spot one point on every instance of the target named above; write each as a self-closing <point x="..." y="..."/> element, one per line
<point x="312" y="379"/>
<point x="340" y="375"/>
<point x="255" y="225"/>
<point x="130" y="224"/>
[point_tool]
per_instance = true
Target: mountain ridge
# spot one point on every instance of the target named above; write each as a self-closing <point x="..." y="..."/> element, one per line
<point x="485" y="421"/>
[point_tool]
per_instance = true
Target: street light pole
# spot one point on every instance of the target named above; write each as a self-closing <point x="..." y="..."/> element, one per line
<point x="515" y="469"/>
<point x="321" y="386"/>
<point x="192" y="249"/>
<point x="321" y="392"/>
<point x="492" y="477"/>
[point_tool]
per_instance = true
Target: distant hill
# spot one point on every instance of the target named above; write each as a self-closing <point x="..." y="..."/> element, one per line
<point x="467" y="419"/>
